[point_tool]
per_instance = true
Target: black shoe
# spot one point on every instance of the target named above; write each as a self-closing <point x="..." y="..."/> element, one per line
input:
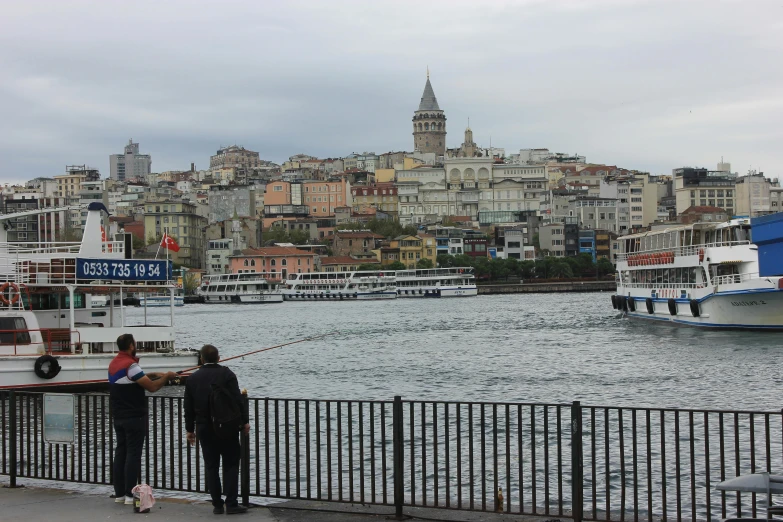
<point x="218" y="510"/>
<point x="235" y="510"/>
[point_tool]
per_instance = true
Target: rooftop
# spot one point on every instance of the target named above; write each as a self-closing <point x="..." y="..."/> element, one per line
<point x="428" y="100"/>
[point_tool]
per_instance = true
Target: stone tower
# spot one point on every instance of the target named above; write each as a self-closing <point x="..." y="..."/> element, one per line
<point x="468" y="149"/>
<point x="429" y="124"/>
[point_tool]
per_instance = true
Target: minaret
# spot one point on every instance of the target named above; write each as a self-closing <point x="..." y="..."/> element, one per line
<point x="429" y="123"/>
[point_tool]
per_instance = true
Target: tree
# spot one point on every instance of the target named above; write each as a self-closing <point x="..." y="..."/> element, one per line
<point x="445" y="261"/>
<point x="189" y="283"/>
<point x="369" y="266"/>
<point x="424" y="263"/>
<point x="560" y="270"/>
<point x="138" y="243"/>
<point x="527" y="269"/>
<point x="396" y="265"/>
<point x="604" y="267"/>
<point x="154" y="239"/>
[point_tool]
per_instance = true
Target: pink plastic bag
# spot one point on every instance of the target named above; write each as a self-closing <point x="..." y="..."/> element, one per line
<point x="144" y="492"/>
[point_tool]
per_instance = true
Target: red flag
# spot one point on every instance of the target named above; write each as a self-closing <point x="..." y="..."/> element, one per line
<point x="169" y="243"/>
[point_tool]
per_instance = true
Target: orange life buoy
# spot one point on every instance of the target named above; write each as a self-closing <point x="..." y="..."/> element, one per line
<point x="14" y="299"/>
<point x="701" y="255"/>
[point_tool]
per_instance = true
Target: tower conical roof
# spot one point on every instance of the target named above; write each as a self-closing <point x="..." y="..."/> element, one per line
<point x="428" y="100"/>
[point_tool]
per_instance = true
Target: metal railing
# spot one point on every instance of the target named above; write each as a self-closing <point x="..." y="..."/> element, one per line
<point x="61" y="340"/>
<point x="564" y="460"/>
<point x="734" y="278"/>
<point x="690" y="250"/>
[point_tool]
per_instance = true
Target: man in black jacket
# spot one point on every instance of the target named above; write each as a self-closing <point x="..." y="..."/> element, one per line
<point x="198" y="422"/>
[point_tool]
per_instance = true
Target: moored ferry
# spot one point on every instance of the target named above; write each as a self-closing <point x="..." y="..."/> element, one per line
<point x="160" y="300"/>
<point x="704" y="274"/>
<point x="336" y="286"/>
<point x="52" y="334"/>
<point x="249" y="287"/>
<point x="436" y="282"/>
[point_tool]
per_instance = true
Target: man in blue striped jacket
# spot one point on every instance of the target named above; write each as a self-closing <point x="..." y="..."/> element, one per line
<point x="127" y="384"/>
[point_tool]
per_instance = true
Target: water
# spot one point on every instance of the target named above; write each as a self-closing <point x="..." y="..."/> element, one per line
<point x="534" y="348"/>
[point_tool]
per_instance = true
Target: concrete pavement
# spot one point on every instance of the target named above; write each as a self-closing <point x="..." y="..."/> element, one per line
<point x="92" y="503"/>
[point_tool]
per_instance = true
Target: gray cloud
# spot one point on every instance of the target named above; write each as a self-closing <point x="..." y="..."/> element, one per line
<point x="649" y="85"/>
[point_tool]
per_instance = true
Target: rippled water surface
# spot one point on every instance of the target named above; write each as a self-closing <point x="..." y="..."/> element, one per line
<point x="538" y="348"/>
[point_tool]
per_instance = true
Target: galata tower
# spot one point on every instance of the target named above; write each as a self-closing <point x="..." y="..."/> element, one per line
<point x="429" y="123"/>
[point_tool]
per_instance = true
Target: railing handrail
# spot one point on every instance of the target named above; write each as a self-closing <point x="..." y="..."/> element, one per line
<point x="683" y="250"/>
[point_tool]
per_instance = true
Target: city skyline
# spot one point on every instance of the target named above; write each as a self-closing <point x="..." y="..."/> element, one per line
<point x="643" y="85"/>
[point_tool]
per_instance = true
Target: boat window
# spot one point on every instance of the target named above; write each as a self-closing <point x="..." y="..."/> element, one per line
<point x="99" y="314"/>
<point x="9" y="328"/>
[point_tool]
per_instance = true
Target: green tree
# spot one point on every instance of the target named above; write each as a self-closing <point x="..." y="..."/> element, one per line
<point x="445" y="261"/>
<point x="527" y="269"/>
<point x="137" y="242"/>
<point x="154" y="239"/>
<point x="298" y="237"/>
<point x="424" y="263"/>
<point x="396" y="266"/>
<point x="560" y="269"/>
<point x="370" y="266"/>
<point x="189" y="283"/>
<point x="604" y="267"/>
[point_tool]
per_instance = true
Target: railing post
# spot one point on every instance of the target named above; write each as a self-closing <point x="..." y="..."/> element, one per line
<point x="577" y="466"/>
<point x="398" y="457"/>
<point x="245" y="455"/>
<point x="13" y="434"/>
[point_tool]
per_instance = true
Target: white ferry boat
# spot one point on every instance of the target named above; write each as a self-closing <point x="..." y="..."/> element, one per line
<point x="51" y="335"/>
<point x="160" y="300"/>
<point x="436" y="282"/>
<point x="337" y="286"/>
<point x="704" y="274"/>
<point x="251" y="287"/>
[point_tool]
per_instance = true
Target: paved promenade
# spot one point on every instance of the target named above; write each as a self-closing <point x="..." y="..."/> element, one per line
<point x="32" y="503"/>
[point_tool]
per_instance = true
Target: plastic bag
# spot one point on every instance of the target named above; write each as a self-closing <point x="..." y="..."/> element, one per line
<point x="144" y="492"/>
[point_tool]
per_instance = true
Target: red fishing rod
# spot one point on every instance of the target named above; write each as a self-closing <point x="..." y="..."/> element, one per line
<point x="263" y="350"/>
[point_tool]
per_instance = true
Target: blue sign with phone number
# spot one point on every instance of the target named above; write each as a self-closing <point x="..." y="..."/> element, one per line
<point x="123" y="269"/>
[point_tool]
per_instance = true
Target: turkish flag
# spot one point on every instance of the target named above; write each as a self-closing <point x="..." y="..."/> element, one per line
<point x="169" y="243"/>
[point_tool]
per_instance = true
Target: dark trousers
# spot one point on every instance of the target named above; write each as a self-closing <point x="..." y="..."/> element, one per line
<point x="213" y="448"/>
<point x="127" y="457"/>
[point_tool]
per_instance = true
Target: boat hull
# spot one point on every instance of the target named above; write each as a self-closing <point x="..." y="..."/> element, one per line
<point x="745" y="310"/>
<point x="442" y="291"/>
<point x="83" y="372"/>
<point x="244" y="298"/>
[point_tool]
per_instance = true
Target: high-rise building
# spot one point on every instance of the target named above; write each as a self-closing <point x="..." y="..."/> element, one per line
<point x="130" y="164"/>
<point x="429" y="123"/>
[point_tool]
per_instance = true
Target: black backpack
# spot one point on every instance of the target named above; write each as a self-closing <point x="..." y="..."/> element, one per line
<point x="225" y="412"/>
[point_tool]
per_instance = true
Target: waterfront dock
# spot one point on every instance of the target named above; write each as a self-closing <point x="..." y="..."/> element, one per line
<point x="547" y="288"/>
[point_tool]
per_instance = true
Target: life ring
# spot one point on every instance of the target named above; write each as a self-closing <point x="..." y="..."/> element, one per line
<point x="52" y="370"/>
<point x="16" y="296"/>
<point x="701" y="255"/>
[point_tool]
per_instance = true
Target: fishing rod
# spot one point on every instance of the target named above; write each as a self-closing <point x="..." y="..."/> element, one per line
<point x="180" y="372"/>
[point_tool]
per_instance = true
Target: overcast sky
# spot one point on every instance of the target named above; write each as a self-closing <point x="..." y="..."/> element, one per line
<point x="649" y="85"/>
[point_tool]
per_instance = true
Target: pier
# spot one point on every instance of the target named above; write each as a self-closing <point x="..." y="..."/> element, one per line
<point x="527" y="459"/>
<point x="550" y="287"/>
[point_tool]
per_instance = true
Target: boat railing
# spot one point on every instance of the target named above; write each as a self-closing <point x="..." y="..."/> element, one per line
<point x="51" y="264"/>
<point x="689" y="250"/>
<point x="65" y="249"/>
<point x="655" y="286"/>
<point x="734" y="278"/>
<point x="54" y="340"/>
